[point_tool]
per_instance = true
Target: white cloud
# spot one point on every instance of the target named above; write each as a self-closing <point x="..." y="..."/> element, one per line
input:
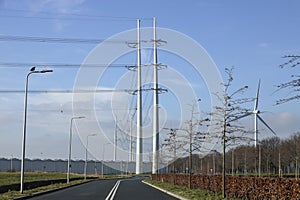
<point x="55" y="6"/>
<point x="283" y="123"/>
<point x="49" y="117"/>
<point x="263" y="45"/>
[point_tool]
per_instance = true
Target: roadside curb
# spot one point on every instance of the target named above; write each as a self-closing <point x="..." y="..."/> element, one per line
<point x="52" y="190"/>
<point x="165" y="191"/>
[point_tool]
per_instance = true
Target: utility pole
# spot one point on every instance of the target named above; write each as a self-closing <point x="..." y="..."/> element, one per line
<point x="139" y="132"/>
<point x="191" y="151"/>
<point x="296" y="168"/>
<point x="191" y="144"/>
<point x="259" y="160"/>
<point x="232" y="162"/>
<point x="11" y="163"/>
<point x="115" y="140"/>
<point x="155" y="105"/>
<point x="130" y="145"/>
<point x="223" y="158"/>
<point x="214" y="164"/>
<point x="279" y="165"/>
<point x="245" y="166"/>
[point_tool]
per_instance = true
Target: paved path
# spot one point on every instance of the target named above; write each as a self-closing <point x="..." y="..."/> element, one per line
<point x="118" y="189"/>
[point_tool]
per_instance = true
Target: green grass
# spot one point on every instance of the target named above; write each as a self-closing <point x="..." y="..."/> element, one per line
<point x="8" y="178"/>
<point x="14" y="194"/>
<point x="193" y="194"/>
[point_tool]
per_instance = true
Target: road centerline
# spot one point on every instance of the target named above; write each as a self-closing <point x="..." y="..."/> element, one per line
<point x="113" y="191"/>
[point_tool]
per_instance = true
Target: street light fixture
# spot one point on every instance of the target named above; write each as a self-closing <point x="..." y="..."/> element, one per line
<point x="32" y="71"/>
<point x="70" y="147"/>
<point x="86" y="152"/>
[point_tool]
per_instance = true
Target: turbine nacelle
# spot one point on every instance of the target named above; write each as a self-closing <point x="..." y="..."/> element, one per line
<point x="256" y="111"/>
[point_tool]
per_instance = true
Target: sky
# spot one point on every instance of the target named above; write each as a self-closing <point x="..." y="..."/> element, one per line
<point x="251" y="36"/>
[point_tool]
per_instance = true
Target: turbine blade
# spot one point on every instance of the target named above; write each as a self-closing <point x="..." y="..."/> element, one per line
<point x="266" y="124"/>
<point x="240" y="117"/>
<point x="256" y="98"/>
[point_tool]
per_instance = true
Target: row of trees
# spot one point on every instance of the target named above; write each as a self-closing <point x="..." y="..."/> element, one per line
<point x="240" y="158"/>
<point x="220" y="124"/>
<point x="278" y="157"/>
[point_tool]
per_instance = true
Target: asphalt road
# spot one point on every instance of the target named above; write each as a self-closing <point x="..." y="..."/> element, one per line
<point x="118" y="189"/>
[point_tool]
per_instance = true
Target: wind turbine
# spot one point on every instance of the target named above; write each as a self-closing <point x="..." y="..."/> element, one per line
<point x="256" y="113"/>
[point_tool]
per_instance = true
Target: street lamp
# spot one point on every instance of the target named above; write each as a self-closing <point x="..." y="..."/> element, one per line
<point x="32" y="71"/>
<point x="86" y="152"/>
<point x="103" y="150"/>
<point x="70" y="147"/>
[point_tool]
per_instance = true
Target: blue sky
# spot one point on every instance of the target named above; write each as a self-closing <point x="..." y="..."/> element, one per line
<point x="252" y="36"/>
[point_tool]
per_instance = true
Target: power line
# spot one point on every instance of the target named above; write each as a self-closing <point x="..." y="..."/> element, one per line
<point x="60" y="65"/>
<point x="62" y="110"/>
<point x="11" y="38"/>
<point x="82" y="16"/>
<point x="68" y="91"/>
<point x="60" y="17"/>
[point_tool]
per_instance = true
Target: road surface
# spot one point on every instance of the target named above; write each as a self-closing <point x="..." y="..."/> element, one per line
<point x="117" y="189"/>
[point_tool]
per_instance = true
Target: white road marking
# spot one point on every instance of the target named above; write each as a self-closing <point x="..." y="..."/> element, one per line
<point x="113" y="191"/>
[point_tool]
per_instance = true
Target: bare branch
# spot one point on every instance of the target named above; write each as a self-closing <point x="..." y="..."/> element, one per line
<point x="294" y="85"/>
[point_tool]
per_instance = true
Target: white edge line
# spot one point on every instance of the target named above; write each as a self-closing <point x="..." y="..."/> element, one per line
<point x="165" y="191"/>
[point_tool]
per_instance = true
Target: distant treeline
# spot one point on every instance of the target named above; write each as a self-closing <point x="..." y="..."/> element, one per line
<point x="274" y="154"/>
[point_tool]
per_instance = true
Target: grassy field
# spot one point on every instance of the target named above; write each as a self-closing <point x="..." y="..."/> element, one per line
<point x="8" y="178"/>
<point x="14" y="194"/>
<point x="193" y="194"/>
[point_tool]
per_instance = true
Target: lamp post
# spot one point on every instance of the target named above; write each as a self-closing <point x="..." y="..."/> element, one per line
<point x="32" y="71"/>
<point x="103" y="150"/>
<point x="86" y="152"/>
<point x="11" y="163"/>
<point x="70" y="147"/>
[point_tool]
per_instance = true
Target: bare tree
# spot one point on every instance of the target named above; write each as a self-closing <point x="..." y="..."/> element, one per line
<point x="173" y="144"/>
<point x="231" y="109"/>
<point x="293" y="86"/>
<point x="196" y="137"/>
<point x="188" y="139"/>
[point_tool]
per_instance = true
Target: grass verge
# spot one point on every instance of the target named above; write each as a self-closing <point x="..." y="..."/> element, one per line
<point x="9" y="178"/>
<point x="15" y="194"/>
<point x="193" y="194"/>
